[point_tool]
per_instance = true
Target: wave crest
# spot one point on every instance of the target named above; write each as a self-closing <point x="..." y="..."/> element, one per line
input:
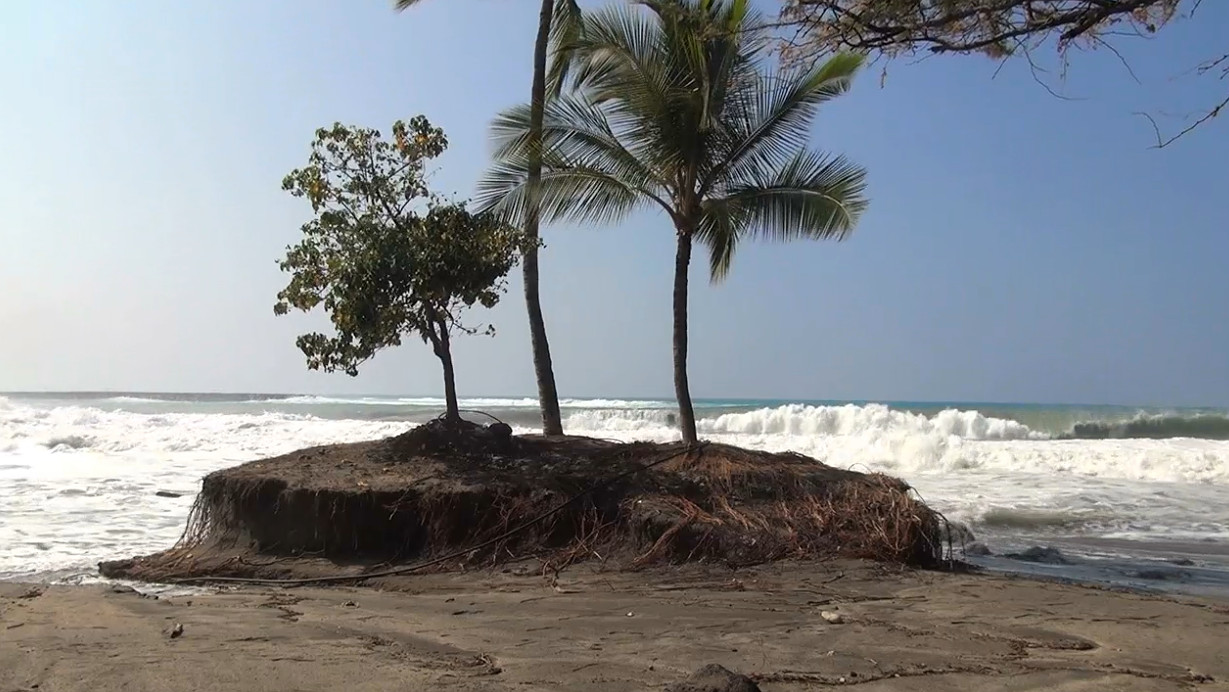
<point x="851" y="419"/>
<point x="1203" y="426"/>
<point x="951" y="443"/>
<point x="68" y="442"/>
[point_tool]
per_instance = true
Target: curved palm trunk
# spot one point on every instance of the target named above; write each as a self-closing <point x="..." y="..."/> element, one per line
<point x="682" y="391"/>
<point x="548" y="395"/>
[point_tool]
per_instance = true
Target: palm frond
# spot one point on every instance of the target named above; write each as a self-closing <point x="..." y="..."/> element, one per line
<point x="574" y="133"/>
<point x="577" y="193"/>
<point x="617" y="57"/>
<point x="404" y="4"/>
<point x="812" y="196"/>
<point x="719" y="232"/>
<point x="565" y="32"/>
<point x="653" y="65"/>
<point x="730" y="51"/>
<point x="770" y="119"/>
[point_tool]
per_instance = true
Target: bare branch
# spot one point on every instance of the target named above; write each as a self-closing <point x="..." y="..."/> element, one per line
<point x="963" y="26"/>
<point x="996" y="28"/>
<point x="1162" y="142"/>
<point x="1110" y="47"/>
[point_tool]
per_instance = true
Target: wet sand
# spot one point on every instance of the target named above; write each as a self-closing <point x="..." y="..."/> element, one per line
<point x="617" y="632"/>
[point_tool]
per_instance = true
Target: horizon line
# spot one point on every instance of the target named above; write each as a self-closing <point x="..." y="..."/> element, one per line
<point x="664" y="399"/>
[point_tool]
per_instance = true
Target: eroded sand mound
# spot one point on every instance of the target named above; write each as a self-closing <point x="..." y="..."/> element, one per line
<point x="462" y="494"/>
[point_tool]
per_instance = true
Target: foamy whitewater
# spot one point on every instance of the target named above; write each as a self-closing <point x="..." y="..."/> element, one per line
<point x="80" y="473"/>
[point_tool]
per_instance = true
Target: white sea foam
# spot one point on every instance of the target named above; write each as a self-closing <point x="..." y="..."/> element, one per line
<point x="78" y="484"/>
<point x="996" y="475"/>
<point x="237" y="436"/>
<point x="872" y="419"/>
<point x="801" y="419"/>
<point x="950" y="441"/>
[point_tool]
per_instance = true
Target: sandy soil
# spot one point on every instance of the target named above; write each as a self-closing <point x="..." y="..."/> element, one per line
<point x="615" y="632"/>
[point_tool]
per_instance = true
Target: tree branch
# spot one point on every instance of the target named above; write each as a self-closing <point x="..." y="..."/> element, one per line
<point x="1162" y="142"/>
<point x="997" y="28"/>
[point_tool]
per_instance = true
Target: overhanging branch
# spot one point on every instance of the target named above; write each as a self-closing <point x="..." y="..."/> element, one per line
<point x="997" y="28"/>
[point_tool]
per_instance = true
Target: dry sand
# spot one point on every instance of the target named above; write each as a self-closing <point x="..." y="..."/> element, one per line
<point x="592" y="631"/>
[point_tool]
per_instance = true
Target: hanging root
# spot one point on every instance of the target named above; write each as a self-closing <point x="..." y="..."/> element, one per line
<point x="445" y="500"/>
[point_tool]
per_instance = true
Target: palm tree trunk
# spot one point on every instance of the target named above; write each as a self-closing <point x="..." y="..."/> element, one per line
<point x="443" y="350"/>
<point x="548" y="395"/>
<point x="682" y="391"/>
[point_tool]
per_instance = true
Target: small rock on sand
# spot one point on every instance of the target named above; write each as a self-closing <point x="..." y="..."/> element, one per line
<point x="1162" y="574"/>
<point x="715" y="678"/>
<point x="977" y="549"/>
<point x="832" y="617"/>
<point x="174" y="631"/>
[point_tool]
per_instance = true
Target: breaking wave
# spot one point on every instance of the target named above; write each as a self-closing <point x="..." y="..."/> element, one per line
<point x="850" y="419"/>
<point x="1155" y="427"/>
<point x="808" y="420"/>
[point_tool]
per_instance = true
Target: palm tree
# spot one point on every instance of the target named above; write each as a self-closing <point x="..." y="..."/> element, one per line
<point x="671" y="107"/>
<point x="560" y="27"/>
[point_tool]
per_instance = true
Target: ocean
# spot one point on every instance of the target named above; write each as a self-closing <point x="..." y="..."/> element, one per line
<point x="1136" y="496"/>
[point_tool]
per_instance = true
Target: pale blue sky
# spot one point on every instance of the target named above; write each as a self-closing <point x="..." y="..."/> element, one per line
<point x="1018" y="247"/>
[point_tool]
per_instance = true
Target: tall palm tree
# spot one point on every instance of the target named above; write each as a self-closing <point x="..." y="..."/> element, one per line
<point x="558" y="19"/>
<point x="671" y="106"/>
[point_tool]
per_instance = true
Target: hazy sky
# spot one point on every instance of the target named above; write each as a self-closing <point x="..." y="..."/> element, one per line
<point x="1018" y="247"/>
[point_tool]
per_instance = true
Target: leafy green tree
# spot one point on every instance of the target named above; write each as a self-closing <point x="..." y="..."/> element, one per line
<point x="383" y="256"/>
<point x="670" y="108"/>
<point x="558" y="20"/>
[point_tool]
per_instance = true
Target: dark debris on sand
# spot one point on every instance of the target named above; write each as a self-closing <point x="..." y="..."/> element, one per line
<point x="715" y="678"/>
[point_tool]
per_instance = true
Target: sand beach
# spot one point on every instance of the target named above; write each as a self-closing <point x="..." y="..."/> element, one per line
<point x="587" y="630"/>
